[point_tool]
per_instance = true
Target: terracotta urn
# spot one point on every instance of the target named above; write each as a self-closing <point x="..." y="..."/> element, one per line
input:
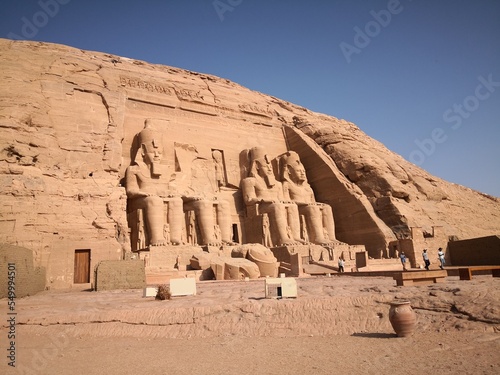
<point x="402" y="317"/>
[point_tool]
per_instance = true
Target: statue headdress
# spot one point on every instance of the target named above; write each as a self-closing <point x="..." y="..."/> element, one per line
<point x="147" y="137"/>
<point x="256" y="154"/>
<point x="286" y="159"/>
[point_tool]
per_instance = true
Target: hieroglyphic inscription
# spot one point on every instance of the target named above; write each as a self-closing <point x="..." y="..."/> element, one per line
<point x="137" y="83"/>
<point x="191" y="95"/>
<point x="254" y="110"/>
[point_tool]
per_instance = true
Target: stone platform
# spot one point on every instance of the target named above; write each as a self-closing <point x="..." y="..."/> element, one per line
<point x="171" y="261"/>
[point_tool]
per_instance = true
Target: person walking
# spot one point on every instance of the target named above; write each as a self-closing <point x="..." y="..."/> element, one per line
<point x="427" y="262"/>
<point x="441" y="258"/>
<point x="341" y="265"/>
<point x="402" y="257"/>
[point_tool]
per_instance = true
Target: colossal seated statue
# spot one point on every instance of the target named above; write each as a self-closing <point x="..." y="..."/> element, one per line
<point x="149" y="204"/>
<point x="156" y="211"/>
<point x="212" y="218"/>
<point x="318" y="217"/>
<point x="264" y="194"/>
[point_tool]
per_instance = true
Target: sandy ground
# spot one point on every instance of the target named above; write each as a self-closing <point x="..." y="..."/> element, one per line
<point x="337" y="324"/>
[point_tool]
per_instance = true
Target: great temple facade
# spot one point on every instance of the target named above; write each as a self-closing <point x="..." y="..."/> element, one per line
<point x="108" y="158"/>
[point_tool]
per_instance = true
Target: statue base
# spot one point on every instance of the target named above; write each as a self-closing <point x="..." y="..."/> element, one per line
<point x="173" y="261"/>
<point x="169" y="257"/>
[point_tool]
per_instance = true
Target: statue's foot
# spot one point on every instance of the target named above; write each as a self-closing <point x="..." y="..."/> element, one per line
<point x="158" y="243"/>
<point x="324" y="243"/>
<point x="300" y="241"/>
<point x="214" y="244"/>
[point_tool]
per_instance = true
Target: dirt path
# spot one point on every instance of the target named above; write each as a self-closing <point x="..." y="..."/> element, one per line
<point x="337" y="324"/>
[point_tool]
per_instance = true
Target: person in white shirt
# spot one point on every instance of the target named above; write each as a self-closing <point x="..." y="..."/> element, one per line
<point x="341" y="265"/>
<point x="427" y="262"/>
<point x="441" y="258"/>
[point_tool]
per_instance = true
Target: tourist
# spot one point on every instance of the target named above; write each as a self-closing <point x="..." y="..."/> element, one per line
<point x="427" y="262"/>
<point x="341" y="265"/>
<point x="402" y="256"/>
<point x="441" y="258"/>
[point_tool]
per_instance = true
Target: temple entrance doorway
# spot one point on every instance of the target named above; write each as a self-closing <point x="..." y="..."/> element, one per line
<point x="82" y="266"/>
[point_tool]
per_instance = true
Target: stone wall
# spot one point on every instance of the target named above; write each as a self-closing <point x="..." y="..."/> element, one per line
<point x="431" y="241"/>
<point x="119" y="274"/>
<point x="475" y="251"/>
<point x="17" y="262"/>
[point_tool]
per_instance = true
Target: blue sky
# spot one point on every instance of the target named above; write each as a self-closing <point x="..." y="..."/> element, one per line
<point x="421" y="76"/>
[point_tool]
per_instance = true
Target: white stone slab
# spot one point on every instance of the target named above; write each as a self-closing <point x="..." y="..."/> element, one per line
<point x="283" y="287"/>
<point x="150" y="291"/>
<point x="183" y="287"/>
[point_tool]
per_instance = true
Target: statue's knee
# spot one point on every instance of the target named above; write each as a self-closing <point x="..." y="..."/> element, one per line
<point x="175" y="203"/>
<point x="316" y="211"/>
<point x="152" y="201"/>
<point x="327" y="210"/>
<point x="201" y="207"/>
<point x="223" y="205"/>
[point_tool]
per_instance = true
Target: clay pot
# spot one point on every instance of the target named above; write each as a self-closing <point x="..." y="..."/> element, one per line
<point x="402" y="317"/>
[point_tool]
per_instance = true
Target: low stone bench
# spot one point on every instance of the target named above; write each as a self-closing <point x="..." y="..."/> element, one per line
<point x="465" y="273"/>
<point x="405" y="278"/>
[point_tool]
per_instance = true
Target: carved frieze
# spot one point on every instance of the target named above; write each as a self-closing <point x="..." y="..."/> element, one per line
<point x="257" y="111"/>
<point x="140" y="84"/>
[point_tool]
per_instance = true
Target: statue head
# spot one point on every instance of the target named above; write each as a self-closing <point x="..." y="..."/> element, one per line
<point x="292" y="168"/>
<point x="150" y="147"/>
<point x="217" y="156"/>
<point x="261" y="166"/>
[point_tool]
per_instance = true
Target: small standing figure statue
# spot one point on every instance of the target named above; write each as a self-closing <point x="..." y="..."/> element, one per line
<point x="166" y="232"/>
<point x="303" y="226"/>
<point x="141" y="236"/>
<point x="217" y="232"/>
<point x="192" y="238"/>
<point x="441" y="258"/>
<point x="266" y="231"/>
<point x="219" y="169"/>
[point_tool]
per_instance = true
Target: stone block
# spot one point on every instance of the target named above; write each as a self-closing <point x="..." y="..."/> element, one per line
<point x="17" y="267"/>
<point x="150" y="291"/>
<point x="119" y="274"/>
<point x="183" y="287"/>
<point x="282" y="287"/>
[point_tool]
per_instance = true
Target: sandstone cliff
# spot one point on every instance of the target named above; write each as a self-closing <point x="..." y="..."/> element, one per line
<point x="68" y="117"/>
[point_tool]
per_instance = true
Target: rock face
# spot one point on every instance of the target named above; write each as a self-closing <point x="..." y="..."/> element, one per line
<point x="69" y="121"/>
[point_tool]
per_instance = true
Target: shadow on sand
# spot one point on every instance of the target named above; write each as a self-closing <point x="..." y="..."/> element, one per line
<point x="375" y="335"/>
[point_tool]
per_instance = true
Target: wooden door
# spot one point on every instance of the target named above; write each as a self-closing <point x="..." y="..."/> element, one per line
<point x="82" y="266"/>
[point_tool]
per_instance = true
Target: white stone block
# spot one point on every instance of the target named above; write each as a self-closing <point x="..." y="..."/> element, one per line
<point x="183" y="287"/>
<point x="150" y="291"/>
<point x="281" y="287"/>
